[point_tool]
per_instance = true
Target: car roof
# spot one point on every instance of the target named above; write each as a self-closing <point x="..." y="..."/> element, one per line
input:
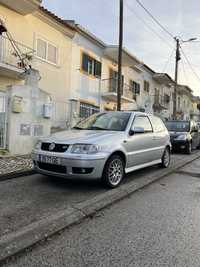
<point x="129" y="112"/>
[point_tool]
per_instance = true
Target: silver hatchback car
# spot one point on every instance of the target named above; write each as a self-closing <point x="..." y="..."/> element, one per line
<point x="106" y="145"/>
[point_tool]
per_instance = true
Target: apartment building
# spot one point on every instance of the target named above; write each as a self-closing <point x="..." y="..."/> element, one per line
<point x="94" y="75"/>
<point x="94" y="79"/>
<point x="44" y="41"/>
<point x="184" y="102"/>
<point x="32" y="37"/>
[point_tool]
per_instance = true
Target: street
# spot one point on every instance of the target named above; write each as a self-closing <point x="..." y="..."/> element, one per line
<point x="27" y="199"/>
<point x="156" y="226"/>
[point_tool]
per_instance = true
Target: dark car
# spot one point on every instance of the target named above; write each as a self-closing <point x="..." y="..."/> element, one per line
<point x="184" y="135"/>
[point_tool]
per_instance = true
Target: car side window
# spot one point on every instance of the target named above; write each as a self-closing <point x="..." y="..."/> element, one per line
<point x="158" y="125"/>
<point x="142" y="122"/>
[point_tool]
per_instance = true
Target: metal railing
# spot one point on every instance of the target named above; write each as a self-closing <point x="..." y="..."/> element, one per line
<point x="110" y="86"/>
<point x="9" y="56"/>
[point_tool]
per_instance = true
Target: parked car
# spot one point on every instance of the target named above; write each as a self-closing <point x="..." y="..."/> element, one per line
<point x="106" y="145"/>
<point x="184" y="135"/>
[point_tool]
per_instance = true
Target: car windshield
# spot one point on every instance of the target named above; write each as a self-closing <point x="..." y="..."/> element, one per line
<point x="178" y="126"/>
<point x="113" y="121"/>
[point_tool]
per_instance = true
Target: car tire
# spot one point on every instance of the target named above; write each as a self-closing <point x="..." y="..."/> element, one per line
<point x="166" y="158"/>
<point x="113" y="172"/>
<point x="189" y="148"/>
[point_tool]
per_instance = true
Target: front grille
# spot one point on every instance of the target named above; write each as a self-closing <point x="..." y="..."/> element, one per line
<point x="52" y="167"/>
<point x="60" y="148"/>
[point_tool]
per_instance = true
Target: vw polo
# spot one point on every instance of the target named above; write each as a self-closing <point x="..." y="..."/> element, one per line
<point x="106" y="145"/>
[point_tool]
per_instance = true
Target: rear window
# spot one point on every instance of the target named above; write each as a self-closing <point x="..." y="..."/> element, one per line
<point x="158" y="125"/>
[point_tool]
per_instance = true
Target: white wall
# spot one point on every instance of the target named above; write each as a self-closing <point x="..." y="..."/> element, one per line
<point x="31" y="115"/>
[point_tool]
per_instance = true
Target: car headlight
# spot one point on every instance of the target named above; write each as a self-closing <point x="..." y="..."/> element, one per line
<point x="181" y="137"/>
<point x="84" y="149"/>
<point x="38" y="145"/>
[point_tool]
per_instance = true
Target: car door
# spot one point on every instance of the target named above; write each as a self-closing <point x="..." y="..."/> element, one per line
<point x="161" y="136"/>
<point x="195" y="135"/>
<point x="139" y="146"/>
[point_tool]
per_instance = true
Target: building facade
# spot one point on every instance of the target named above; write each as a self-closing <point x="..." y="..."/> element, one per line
<point x="77" y="71"/>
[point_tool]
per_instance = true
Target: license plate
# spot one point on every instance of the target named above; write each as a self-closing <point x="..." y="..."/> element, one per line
<point x="49" y="159"/>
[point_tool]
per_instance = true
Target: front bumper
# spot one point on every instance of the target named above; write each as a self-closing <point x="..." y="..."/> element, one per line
<point x="179" y="144"/>
<point x="70" y="164"/>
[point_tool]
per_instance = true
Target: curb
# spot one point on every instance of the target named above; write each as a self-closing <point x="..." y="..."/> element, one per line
<point x="26" y="237"/>
<point x="17" y="174"/>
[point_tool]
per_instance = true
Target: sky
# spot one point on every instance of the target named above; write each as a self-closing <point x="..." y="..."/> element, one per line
<point x="142" y="36"/>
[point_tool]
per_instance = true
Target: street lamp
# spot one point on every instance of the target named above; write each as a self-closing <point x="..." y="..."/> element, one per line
<point x="189" y="40"/>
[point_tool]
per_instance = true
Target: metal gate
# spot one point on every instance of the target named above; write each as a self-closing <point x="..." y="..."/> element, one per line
<point x="3" y="120"/>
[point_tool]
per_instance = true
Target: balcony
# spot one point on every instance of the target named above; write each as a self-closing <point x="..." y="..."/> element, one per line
<point x="24" y="7"/>
<point x="10" y="63"/>
<point x="109" y="91"/>
<point x="128" y="59"/>
<point x="161" y="102"/>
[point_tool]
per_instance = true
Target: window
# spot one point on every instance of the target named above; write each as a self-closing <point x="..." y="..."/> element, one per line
<point x="143" y="122"/>
<point x="41" y="48"/>
<point x="91" y="66"/>
<point x="47" y="51"/>
<point x="158" y="124"/>
<point x="114" y="81"/>
<point x="52" y="54"/>
<point x="135" y="87"/>
<point x="86" y="110"/>
<point x="166" y="99"/>
<point x="146" y="86"/>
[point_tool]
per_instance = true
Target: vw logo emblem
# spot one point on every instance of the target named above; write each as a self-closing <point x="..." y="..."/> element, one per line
<point x="52" y="146"/>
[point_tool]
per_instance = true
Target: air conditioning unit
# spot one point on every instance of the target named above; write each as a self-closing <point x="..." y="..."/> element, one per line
<point x="47" y="110"/>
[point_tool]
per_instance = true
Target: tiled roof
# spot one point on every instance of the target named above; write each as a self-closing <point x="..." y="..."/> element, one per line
<point x="55" y="17"/>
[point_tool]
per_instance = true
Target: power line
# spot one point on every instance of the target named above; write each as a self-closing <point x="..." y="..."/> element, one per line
<point x="190" y="65"/>
<point x="149" y="27"/>
<point x="184" y="71"/>
<point x="168" y="60"/>
<point x="154" y="19"/>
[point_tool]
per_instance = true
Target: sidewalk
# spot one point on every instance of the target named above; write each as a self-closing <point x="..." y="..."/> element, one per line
<point x="11" y="165"/>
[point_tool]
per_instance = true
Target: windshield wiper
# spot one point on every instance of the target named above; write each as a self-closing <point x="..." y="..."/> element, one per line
<point x="77" y="128"/>
<point x="96" y="128"/>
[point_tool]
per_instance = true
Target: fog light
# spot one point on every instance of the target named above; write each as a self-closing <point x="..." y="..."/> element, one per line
<point x="76" y="170"/>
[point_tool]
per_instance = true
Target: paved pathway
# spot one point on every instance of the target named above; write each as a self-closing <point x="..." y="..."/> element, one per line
<point x="15" y="164"/>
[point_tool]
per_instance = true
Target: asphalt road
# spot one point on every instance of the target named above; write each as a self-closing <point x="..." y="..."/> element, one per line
<point x="27" y="199"/>
<point x="158" y="225"/>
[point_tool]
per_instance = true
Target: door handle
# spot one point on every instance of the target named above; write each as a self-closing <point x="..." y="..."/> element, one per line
<point x="156" y="138"/>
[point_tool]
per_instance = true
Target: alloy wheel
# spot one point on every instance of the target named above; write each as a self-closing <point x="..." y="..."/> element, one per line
<point x="166" y="158"/>
<point x="115" y="171"/>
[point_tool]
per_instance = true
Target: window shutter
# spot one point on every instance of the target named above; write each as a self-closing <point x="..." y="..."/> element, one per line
<point x="137" y="90"/>
<point x="97" y="69"/>
<point x="41" y="49"/>
<point x="85" y="59"/>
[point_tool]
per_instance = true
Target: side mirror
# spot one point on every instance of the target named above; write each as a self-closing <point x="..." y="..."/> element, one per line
<point x="137" y="130"/>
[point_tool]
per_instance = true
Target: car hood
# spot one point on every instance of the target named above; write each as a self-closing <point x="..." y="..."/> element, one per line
<point x="175" y="134"/>
<point x="83" y="136"/>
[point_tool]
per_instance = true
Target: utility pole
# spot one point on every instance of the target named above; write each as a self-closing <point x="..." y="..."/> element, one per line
<point x="119" y="81"/>
<point x="178" y="57"/>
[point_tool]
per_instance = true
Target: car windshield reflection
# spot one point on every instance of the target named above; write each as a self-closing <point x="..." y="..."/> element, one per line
<point x="113" y="121"/>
